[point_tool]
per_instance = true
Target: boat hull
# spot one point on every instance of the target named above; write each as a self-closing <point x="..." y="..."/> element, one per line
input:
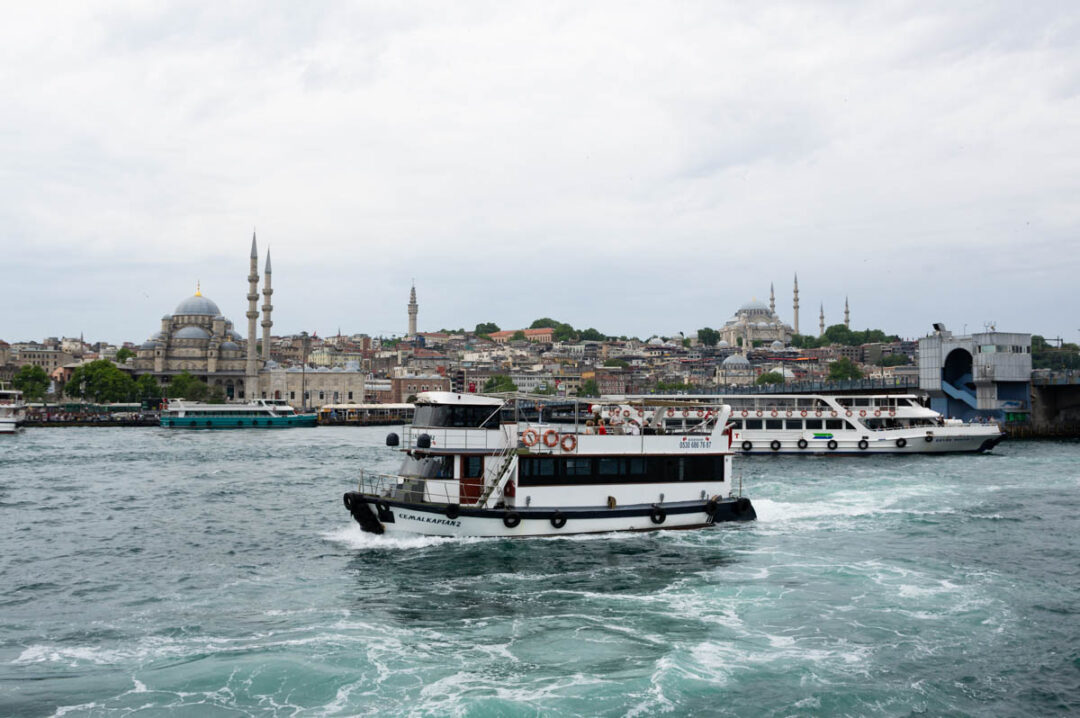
<point x="9" y="425"/>
<point x="943" y="443"/>
<point x="380" y="515"/>
<point x="267" y="422"/>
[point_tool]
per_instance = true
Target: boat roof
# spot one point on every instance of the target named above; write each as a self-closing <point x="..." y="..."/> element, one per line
<point x="453" y="398"/>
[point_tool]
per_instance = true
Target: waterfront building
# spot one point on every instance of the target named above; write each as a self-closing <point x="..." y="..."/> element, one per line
<point x="983" y="375"/>
<point x="755" y="322"/>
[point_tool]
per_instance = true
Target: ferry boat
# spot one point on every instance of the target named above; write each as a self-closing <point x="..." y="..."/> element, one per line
<point x="485" y="465"/>
<point x="825" y="424"/>
<point x="261" y="414"/>
<point x="12" y="410"/>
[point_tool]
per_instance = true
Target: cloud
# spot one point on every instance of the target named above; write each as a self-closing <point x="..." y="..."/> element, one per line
<point x="636" y="168"/>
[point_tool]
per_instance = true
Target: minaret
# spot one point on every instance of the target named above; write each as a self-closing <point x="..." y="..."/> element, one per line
<point x="413" y="308"/>
<point x="267" y="307"/>
<point x="772" y="300"/>
<point x="847" y="315"/>
<point x="251" y="372"/>
<point x="795" y="304"/>
<point x="821" y="325"/>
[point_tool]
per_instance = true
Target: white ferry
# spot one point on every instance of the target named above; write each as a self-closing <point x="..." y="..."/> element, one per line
<point x="12" y="410"/>
<point x="824" y="424"/>
<point x="478" y="465"/>
<point x="262" y="414"/>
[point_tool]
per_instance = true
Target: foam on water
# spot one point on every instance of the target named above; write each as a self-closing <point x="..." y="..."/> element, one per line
<point x="202" y="574"/>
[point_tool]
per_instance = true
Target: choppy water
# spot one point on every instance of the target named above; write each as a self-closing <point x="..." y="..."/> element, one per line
<point x="143" y="571"/>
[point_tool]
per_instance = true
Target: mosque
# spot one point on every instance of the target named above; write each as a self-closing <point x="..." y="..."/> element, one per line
<point x="756" y="322"/>
<point x="198" y="339"/>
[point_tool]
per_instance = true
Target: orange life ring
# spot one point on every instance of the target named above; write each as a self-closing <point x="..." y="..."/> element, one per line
<point x="773" y="413"/>
<point x="817" y="413"/>
<point x="892" y="412"/>
<point x="848" y="412"/>
<point x="530" y="437"/>
<point x="671" y="412"/>
<point x="788" y="413"/>
<point x="833" y="413"/>
<point x="862" y="412"/>
<point x="685" y="412"/>
<point x="569" y="442"/>
<point x="626" y="414"/>
<point x="700" y="413"/>
<point x="877" y="412"/>
<point x="551" y="438"/>
<point x="745" y="412"/>
<point x="640" y="413"/>
<point x="758" y="412"/>
<point x="802" y="413"/>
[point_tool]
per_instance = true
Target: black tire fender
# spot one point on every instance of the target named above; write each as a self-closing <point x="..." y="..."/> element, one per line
<point x="864" y="444"/>
<point x="775" y="445"/>
<point x="452" y="511"/>
<point x="803" y="443"/>
<point x="901" y="443"/>
<point x="747" y="445"/>
<point x="558" y="520"/>
<point x="832" y="444"/>
<point x="511" y="519"/>
<point x="657" y="515"/>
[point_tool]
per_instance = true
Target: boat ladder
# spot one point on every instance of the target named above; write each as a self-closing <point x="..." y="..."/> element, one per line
<point x="506" y="460"/>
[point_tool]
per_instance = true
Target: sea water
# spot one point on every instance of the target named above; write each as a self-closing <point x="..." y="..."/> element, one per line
<point x="148" y="571"/>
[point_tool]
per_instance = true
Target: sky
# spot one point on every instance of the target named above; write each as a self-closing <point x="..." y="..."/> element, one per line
<point x="641" y="168"/>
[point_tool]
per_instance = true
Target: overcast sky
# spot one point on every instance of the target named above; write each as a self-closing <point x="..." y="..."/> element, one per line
<point x="635" y="167"/>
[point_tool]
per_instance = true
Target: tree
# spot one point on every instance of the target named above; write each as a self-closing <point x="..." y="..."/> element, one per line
<point x="591" y="335"/>
<point x="146" y="388"/>
<point x="803" y="341"/>
<point x="770" y="377"/>
<point x="123" y="354"/>
<point x="32" y="381"/>
<point x="518" y="336"/>
<point x="101" y="381"/>
<point x="499" y="383"/>
<point x="486" y="328"/>
<point x="708" y="336"/>
<point x="893" y="360"/>
<point x="673" y="386"/>
<point x="844" y="368"/>
<point x="185" y="386"/>
<point x="617" y="362"/>
<point x="561" y="332"/>
<point x="589" y="387"/>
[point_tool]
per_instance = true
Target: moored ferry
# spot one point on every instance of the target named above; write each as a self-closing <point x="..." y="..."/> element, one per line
<point x="12" y="410"/>
<point x="479" y="465"/>
<point x="826" y="424"/>
<point x="262" y="414"/>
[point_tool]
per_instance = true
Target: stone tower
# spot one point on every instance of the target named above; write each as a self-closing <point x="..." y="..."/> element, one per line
<point x="267" y="307"/>
<point x="821" y="325"/>
<point x="847" y="315"/>
<point x="413" y="309"/>
<point x="795" y="303"/>
<point x="251" y="371"/>
<point x="772" y="299"/>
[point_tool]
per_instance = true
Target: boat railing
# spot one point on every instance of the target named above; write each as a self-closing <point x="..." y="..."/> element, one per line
<point x="413" y="489"/>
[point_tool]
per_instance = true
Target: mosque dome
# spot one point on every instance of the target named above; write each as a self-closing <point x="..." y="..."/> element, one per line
<point x="198" y="304"/>
<point x="166" y="317"/>
<point x="149" y="344"/>
<point x="754" y="306"/>
<point x="776" y="345"/>
<point x="234" y="335"/>
<point x="736" y="360"/>
<point x="723" y="344"/>
<point x="192" y="332"/>
<point x="271" y="364"/>
<point x="230" y="347"/>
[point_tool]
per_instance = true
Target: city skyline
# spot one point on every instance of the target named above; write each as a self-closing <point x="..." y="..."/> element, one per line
<point x="638" y="170"/>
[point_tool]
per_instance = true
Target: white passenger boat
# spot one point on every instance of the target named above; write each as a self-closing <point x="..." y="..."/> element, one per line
<point x="824" y="424"/>
<point x="12" y="410"/>
<point x="478" y="465"/>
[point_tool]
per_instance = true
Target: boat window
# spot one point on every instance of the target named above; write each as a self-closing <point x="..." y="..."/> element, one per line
<point x="794" y="424"/>
<point x="849" y="426"/>
<point x="486" y="417"/>
<point x="607" y="466"/>
<point x="428" y="467"/>
<point x="774" y="424"/>
<point x="834" y="423"/>
<point x="812" y="424"/>
<point x="862" y="402"/>
<point x="635" y="466"/>
<point x="578" y="467"/>
<point x="753" y="423"/>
